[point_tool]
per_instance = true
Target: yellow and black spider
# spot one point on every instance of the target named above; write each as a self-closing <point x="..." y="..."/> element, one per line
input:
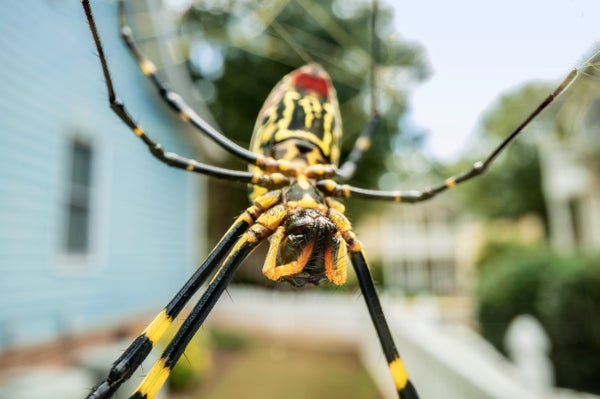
<point x="293" y="157"/>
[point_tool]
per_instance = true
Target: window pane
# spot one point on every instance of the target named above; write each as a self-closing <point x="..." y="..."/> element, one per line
<point x="81" y="165"/>
<point x="77" y="230"/>
<point x="77" y="223"/>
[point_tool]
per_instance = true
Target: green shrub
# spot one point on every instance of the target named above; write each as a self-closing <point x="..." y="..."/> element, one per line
<point x="562" y="292"/>
<point x="509" y="285"/>
<point x="570" y="310"/>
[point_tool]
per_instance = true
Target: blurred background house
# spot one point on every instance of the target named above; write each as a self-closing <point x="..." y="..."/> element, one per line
<point x="94" y="231"/>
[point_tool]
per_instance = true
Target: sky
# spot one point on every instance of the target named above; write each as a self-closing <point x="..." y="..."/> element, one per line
<point x="478" y="50"/>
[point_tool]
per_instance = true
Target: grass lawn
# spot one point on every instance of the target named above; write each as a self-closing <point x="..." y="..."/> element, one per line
<point x="273" y="369"/>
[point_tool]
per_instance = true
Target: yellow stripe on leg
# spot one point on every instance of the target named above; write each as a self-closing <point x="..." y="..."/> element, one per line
<point x="450" y="183"/>
<point x="147" y="67"/>
<point x="398" y="373"/>
<point x="153" y="381"/>
<point x="158" y="326"/>
<point x="363" y="143"/>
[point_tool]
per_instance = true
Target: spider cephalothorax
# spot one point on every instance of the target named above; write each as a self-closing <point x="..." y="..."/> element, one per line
<point x="307" y="246"/>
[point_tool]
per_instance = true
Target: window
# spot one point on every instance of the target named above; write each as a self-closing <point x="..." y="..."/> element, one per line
<point x="79" y="187"/>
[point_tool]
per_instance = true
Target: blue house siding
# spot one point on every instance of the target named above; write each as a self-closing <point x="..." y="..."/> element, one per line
<point x="143" y="214"/>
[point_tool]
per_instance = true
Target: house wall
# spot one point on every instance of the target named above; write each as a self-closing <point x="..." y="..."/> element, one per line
<point x="144" y="215"/>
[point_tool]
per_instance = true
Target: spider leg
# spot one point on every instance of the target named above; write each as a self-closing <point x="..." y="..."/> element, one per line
<point x="174" y="100"/>
<point x="162" y="368"/>
<point x="274" y="271"/>
<point x="405" y="388"/>
<point x="133" y="356"/>
<point x="264" y="226"/>
<point x="403" y="385"/>
<point x="361" y="145"/>
<point x="155" y="148"/>
<point x="363" y="141"/>
<point x="331" y="187"/>
<point x="335" y="260"/>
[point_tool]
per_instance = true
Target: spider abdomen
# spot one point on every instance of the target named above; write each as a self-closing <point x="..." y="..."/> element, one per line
<point x="303" y="107"/>
<point x="299" y="122"/>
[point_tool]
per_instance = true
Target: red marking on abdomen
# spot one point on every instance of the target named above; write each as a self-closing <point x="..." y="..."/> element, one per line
<point x="309" y="81"/>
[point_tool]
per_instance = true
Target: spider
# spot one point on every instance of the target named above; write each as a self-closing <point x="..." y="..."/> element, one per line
<point x="293" y="158"/>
